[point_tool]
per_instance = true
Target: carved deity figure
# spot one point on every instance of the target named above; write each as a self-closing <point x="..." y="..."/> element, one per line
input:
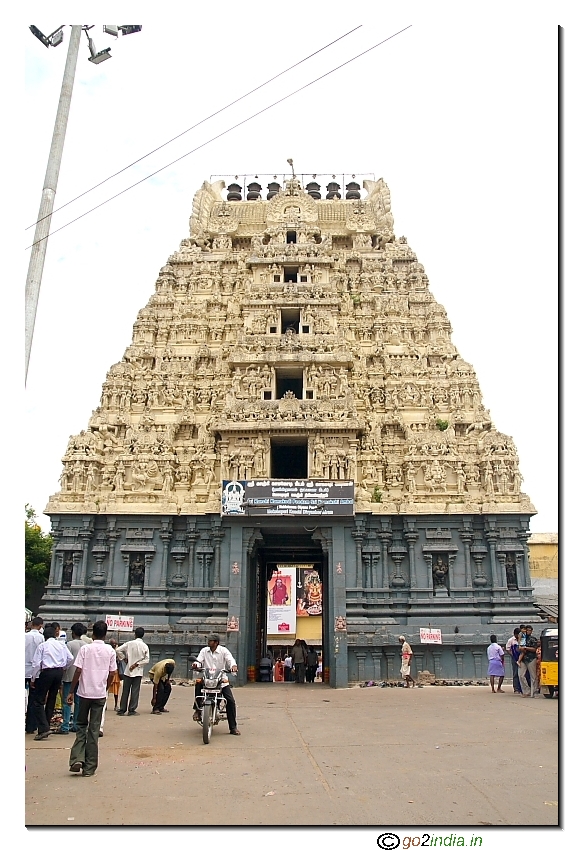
<point x="511" y="574"/>
<point x="119" y="478"/>
<point x="137" y="570"/>
<point x="67" y="571"/>
<point x="440" y="570"/>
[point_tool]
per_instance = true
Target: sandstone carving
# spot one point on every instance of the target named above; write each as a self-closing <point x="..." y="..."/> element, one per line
<point x="317" y="291"/>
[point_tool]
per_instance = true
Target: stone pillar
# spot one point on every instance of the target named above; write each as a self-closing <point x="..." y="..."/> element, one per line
<point x="478" y="659"/>
<point x="428" y="558"/>
<point x="385" y="535"/>
<point x="58" y="568"/>
<point x="361" y="659"/>
<point x="491" y="536"/>
<point x="450" y="564"/>
<point x="218" y="535"/>
<point x="411" y="536"/>
<point x="376" y="663"/>
<point x="77" y="564"/>
<point x="358" y="535"/>
<point x="459" y="663"/>
<point x="397" y="554"/>
<point x="466" y="536"/>
<point x="437" y="663"/>
<point x="148" y="558"/>
<point x="502" y="571"/>
<point x="522" y="568"/>
<point x="112" y="535"/>
<point x="165" y="535"/>
<point x="332" y="541"/>
<point x="390" y="656"/>
<point x="81" y="578"/>
<point x="479" y="552"/>
<point x="54" y="573"/>
<point x="192" y="536"/>
<point x="366" y="569"/>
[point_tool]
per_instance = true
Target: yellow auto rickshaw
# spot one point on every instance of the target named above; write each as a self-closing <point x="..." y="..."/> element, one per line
<point x="549" y="662"/>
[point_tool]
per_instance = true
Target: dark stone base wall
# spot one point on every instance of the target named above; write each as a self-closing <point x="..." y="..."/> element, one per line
<point x="184" y="577"/>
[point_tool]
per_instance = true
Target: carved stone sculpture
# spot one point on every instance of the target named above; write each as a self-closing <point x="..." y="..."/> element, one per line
<point x="319" y="290"/>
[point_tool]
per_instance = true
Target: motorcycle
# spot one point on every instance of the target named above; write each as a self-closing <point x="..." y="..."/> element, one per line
<point x="211" y="704"/>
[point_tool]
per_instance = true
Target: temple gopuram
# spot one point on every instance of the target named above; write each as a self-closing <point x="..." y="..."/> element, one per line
<point x="292" y="447"/>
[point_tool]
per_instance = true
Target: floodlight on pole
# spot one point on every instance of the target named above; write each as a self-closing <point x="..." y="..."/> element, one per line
<point x="39" y="246"/>
<point x="124" y="29"/>
<point x="97" y="56"/>
<point x="43" y="224"/>
<point x="101" y="56"/>
<point x="51" y="40"/>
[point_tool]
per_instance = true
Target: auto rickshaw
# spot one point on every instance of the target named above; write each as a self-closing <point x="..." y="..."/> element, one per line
<point x="549" y="662"/>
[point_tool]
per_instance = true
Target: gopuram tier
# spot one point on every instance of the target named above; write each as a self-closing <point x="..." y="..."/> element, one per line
<point x="293" y="337"/>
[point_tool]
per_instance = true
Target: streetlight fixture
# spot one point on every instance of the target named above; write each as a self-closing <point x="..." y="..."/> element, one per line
<point x="51" y="40"/>
<point x="43" y="224"/>
<point x="96" y="57"/>
<point x="125" y="29"/>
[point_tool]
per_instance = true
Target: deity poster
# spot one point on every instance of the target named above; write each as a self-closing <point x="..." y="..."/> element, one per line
<point x="281" y="601"/>
<point x="309" y="592"/>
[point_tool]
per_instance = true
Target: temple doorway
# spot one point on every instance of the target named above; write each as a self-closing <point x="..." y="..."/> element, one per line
<point x="290" y="602"/>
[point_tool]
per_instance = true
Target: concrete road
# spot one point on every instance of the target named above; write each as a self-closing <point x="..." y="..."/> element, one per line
<point x="436" y="756"/>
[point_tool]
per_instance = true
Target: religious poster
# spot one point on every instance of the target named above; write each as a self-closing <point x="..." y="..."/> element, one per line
<point x="281" y="601"/>
<point x="309" y="592"/>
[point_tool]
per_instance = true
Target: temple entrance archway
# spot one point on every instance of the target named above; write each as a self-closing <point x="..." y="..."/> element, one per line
<point x="291" y="596"/>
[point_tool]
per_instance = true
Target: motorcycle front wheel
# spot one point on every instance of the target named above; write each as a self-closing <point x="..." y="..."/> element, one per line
<point x="207" y="722"/>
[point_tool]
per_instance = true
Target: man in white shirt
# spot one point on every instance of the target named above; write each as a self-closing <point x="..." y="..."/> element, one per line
<point x="220" y="658"/>
<point x="32" y="639"/>
<point x="136" y="654"/>
<point x="95" y="665"/>
<point x="287" y="664"/>
<point x="79" y="637"/>
<point x="50" y="661"/>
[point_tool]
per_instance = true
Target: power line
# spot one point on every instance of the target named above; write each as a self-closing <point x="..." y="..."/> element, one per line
<point x="224" y="133"/>
<point x="222" y="109"/>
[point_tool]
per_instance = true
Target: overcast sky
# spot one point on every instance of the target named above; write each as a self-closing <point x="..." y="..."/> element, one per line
<point x="457" y="114"/>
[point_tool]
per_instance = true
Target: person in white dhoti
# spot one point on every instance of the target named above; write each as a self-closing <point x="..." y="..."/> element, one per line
<point x="406" y="656"/>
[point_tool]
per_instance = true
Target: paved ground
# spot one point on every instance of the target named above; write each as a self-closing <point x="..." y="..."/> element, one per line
<point x="436" y="756"/>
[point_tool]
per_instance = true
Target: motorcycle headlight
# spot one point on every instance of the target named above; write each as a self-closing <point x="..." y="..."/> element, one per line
<point x="211" y="683"/>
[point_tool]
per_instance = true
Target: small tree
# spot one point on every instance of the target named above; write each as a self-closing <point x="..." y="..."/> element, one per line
<point x="37" y="559"/>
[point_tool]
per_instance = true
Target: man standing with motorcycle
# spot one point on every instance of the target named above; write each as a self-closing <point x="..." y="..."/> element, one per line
<point x="219" y="658"/>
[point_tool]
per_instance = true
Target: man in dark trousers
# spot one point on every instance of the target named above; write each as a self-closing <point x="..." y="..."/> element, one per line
<point x="311" y="664"/>
<point x="160" y="677"/>
<point x="32" y="639"/>
<point x="219" y="658"/>
<point x="298" y="656"/>
<point x="136" y="654"/>
<point x="95" y="666"/>
<point x="50" y="661"/>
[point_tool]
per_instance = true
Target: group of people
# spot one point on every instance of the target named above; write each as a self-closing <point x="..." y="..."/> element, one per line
<point x="302" y="664"/>
<point x="82" y="672"/>
<point x="524" y="651"/>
